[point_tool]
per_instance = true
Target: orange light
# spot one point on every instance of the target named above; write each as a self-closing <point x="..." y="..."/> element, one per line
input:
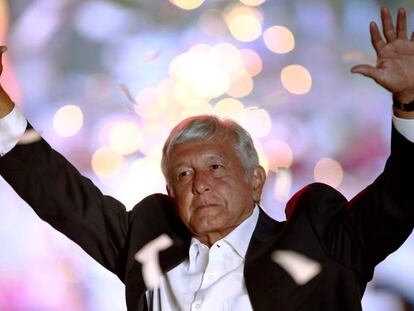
<point x="328" y="171"/>
<point x="187" y="4"/>
<point x="296" y="79"/>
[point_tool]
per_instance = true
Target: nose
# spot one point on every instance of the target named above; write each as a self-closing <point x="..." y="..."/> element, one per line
<point x="201" y="183"/>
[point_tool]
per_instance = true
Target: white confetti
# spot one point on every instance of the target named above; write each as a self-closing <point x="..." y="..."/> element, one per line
<point x="301" y="268"/>
<point x="148" y="257"/>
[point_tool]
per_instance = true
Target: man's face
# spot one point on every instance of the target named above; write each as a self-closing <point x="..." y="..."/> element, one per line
<point x="209" y="188"/>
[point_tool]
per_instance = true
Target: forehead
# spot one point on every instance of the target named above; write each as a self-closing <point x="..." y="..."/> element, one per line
<point x="218" y="147"/>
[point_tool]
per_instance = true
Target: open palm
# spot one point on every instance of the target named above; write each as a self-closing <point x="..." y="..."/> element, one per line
<point x="395" y="54"/>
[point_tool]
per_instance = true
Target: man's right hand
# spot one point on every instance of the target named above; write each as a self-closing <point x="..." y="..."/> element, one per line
<point x="6" y="104"/>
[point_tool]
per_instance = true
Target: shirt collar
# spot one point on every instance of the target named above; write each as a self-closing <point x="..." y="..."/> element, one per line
<point x="238" y="239"/>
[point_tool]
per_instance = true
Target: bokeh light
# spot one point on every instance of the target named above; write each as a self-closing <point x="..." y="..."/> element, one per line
<point x="244" y="23"/>
<point x="202" y="108"/>
<point x="252" y="2"/>
<point x="153" y="138"/>
<point x="187" y="4"/>
<point x="296" y="79"/>
<point x="241" y="85"/>
<point x="328" y="171"/>
<point x="207" y="71"/>
<point x="257" y="122"/>
<point x="230" y="108"/>
<point x="148" y="105"/>
<point x="125" y="137"/>
<point x="202" y="70"/>
<point x="279" y="39"/>
<point x="252" y="61"/>
<point x="106" y="162"/>
<point x="279" y="153"/>
<point x="68" y="120"/>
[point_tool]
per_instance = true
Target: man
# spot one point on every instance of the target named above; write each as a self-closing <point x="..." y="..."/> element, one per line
<point x="226" y="253"/>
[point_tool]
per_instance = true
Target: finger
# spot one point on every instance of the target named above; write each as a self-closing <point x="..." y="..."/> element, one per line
<point x="402" y="24"/>
<point x="368" y="71"/>
<point x="376" y="39"/>
<point x="387" y="26"/>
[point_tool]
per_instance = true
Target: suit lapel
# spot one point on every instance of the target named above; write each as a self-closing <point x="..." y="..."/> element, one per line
<point x="168" y="259"/>
<point x="269" y="285"/>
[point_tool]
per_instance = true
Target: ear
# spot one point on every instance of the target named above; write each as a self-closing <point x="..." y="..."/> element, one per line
<point x="258" y="181"/>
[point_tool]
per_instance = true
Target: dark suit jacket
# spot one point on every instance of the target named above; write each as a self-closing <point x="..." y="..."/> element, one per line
<point x="347" y="238"/>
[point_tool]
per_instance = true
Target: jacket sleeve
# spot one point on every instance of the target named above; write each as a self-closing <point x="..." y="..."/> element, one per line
<point x="68" y="201"/>
<point x="382" y="215"/>
<point x="376" y="222"/>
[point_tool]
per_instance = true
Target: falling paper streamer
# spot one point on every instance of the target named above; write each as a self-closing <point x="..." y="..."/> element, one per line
<point x="29" y="137"/>
<point x="301" y="268"/>
<point x="148" y="257"/>
<point x="127" y="93"/>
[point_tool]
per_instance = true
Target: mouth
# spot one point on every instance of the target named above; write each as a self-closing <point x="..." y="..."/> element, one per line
<point x="207" y="205"/>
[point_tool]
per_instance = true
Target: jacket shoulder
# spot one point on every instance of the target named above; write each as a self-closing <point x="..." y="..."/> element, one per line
<point x="316" y="198"/>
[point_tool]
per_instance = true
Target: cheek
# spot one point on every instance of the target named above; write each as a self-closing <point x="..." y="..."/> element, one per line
<point x="183" y="197"/>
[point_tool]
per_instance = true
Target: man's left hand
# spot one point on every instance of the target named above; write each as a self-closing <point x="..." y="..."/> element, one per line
<point x="395" y="57"/>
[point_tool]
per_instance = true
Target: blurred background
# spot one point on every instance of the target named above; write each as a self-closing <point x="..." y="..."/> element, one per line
<point x="105" y="81"/>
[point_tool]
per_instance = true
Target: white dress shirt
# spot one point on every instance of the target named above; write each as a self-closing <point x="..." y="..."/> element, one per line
<point x="211" y="278"/>
<point x="12" y="128"/>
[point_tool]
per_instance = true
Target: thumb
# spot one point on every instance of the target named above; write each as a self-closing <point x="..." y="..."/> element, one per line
<point x="367" y="71"/>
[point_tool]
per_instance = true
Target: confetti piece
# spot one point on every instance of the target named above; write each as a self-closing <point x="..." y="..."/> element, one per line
<point x="148" y="257"/>
<point x="29" y="137"/>
<point x="301" y="268"/>
<point x="151" y="57"/>
<point x="127" y="93"/>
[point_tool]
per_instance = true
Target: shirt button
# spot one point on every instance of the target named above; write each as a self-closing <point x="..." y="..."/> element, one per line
<point x="198" y="305"/>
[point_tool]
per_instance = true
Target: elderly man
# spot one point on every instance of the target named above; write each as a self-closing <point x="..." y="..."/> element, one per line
<point x="226" y="253"/>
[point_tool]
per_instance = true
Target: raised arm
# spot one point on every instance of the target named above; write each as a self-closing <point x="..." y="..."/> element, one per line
<point x="381" y="217"/>
<point x="61" y="196"/>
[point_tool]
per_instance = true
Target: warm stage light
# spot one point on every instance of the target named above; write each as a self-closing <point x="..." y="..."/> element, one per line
<point x="252" y="2"/>
<point x="230" y="108"/>
<point x="257" y="122"/>
<point x="202" y="70"/>
<point x="296" y="79"/>
<point x="244" y="23"/>
<point x="187" y="4"/>
<point x="125" y="137"/>
<point x="106" y="162"/>
<point x="279" y="153"/>
<point x="252" y="61"/>
<point x="279" y="39"/>
<point x="241" y="85"/>
<point x="68" y="120"/>
<point x="328" y="171"/>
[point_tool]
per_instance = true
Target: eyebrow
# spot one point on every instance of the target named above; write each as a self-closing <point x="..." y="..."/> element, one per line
<point x="210" y="157"/>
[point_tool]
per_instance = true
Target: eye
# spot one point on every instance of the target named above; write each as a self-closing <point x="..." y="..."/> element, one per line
<point x="216" y="169"/>
<point x="216" y="166"/>
<point x="182" y="175"/>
